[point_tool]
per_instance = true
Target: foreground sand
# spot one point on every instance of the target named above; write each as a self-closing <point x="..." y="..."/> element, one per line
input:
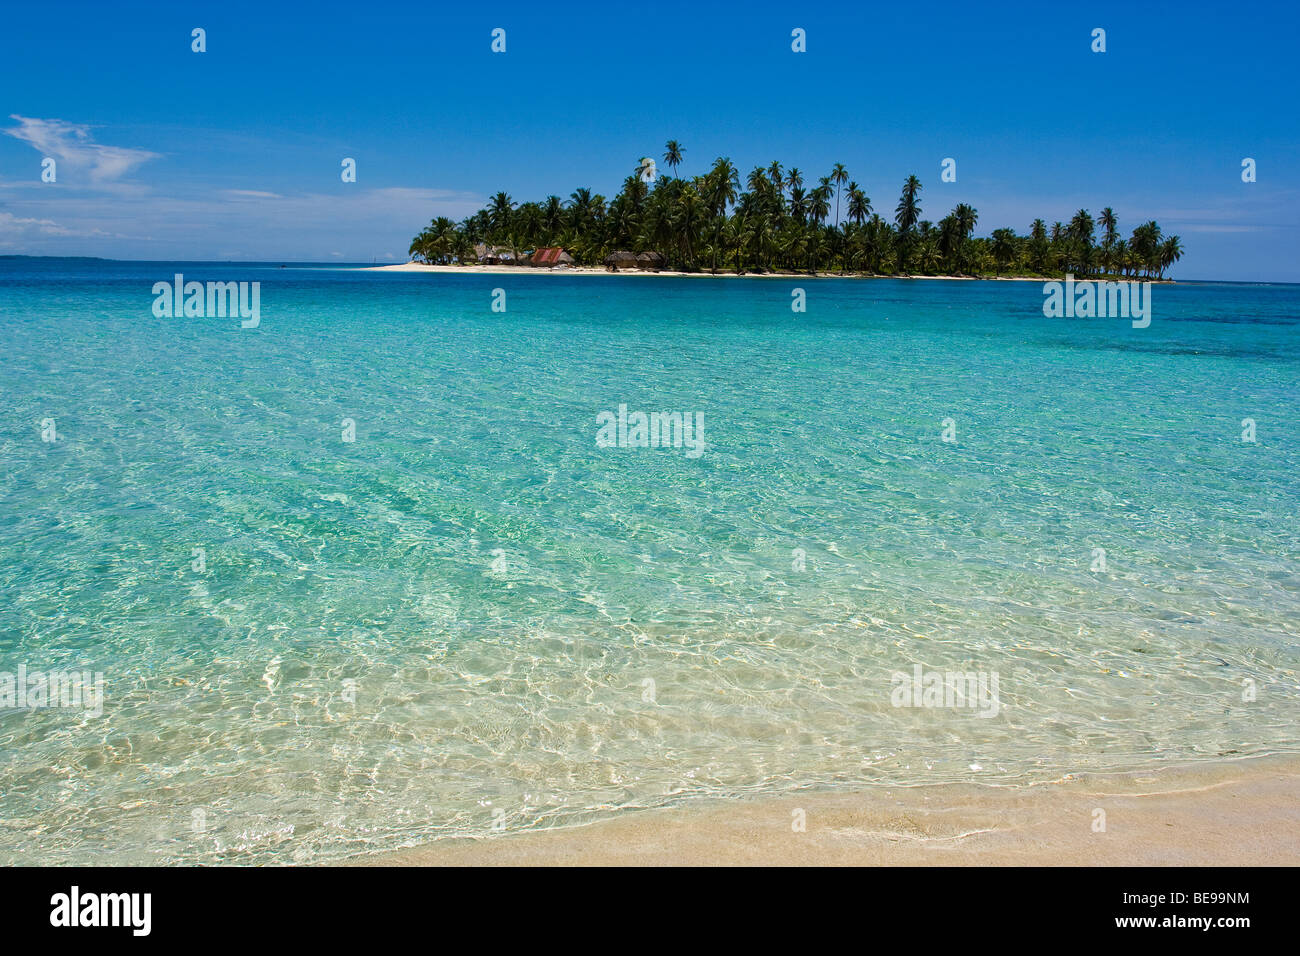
<point x="594" y="271"/>
<point x="1231" y="813"/>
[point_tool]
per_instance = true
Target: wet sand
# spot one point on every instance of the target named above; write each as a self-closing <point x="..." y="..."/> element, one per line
<point x="1228" y="813"/>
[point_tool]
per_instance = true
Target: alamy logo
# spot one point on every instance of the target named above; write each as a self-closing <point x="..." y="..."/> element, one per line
<point x="934" y="689"/>
<point x="103" y="909"/>
<point x="194" y="300"/>
<point x="72" y="690"/>
<point x="1102" y="300"/>
<point x="653" y="430"/>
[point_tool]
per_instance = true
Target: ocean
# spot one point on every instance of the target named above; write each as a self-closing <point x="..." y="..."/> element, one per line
<point x="368" y="573"/>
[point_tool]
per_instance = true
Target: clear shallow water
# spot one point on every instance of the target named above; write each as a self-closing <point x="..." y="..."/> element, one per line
<point x="523" y="691"/>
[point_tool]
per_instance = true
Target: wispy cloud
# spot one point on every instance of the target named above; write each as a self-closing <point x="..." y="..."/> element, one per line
<point x="16" y="231"/>
<point x="237" y="195"/>
<point x="16" y="227"/>
<point x="72" y="145"/>
<point x="199" y="224"/>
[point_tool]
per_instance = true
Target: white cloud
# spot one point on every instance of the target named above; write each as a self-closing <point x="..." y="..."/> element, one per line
<point x="14" y="227"/>
<point x="352" y="224"/>
<point x="236" y="195"/>
<point x="18" y="231"/>
<point x="75" y="150"/>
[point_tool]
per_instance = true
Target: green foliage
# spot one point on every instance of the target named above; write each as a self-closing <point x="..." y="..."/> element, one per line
<point x="775" y="223"/>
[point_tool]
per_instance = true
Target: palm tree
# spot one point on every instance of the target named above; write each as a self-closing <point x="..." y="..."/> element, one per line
<point x="1144" y="245"/>
<point x="815" y="249"/>
<point x="462" y="248"/>
<point x="839" y="176"/>
<point x="964" y="217"/>
<point x="687" y="214"/>
<point x="1057" y="244"/>
<point x="1004" y="248"/>
<point x="1171" y="250"/>
<point x="798" y="205"/>
<point x="1108" y="222"/>
<point x="967" y="217"/>
<point x="528" y="223"/>
<point x="774" y="222"/>
<point x="774" y="174"/>
<point x="794" y="178"/>
<point x="820" y="207"/>
<point x="723" y="182"/>
<point x="908" y="210"/>
<point x="553" y="215"/>
<point x="673" y="153"/>
<point x="499" y="212"/>
<point x="881" y="244"/>
<point x="906" y="214"/>
<point x="950" y="239"/>
<point x="1122" y="256"/>
<point x="580" y="205"/>
<point x="859" y="205"/>
<point x="793" y="245"/>
<point x="1038" y="245"/>
<point x="928" y="256"/>
<point x="1081" y="231"/>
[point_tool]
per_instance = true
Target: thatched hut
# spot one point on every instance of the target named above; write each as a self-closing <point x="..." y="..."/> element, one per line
<point x="493" y="255"/>
<point x="620" y="260"/>
<point x="650" y="261"/>
<point x="550" y="257"/>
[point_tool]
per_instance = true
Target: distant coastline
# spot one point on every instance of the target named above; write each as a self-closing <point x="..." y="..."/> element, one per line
<point x="64" y="258"/>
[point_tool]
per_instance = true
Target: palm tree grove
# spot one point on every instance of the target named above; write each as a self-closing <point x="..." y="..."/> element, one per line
<point x="775" y="221"/>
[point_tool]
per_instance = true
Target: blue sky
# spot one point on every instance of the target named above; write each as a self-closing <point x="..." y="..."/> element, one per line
<point x="235" y="153"/>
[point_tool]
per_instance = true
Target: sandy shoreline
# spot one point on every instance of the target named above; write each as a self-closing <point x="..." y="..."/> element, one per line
<point x="600" y="271"/>
<point x="1229" y="813"/>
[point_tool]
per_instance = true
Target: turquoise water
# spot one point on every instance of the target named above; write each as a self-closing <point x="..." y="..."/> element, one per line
<point x="472" y="615"/>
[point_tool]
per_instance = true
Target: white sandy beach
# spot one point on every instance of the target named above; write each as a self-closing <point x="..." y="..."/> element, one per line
<point x="601" y="271"/>
<point x="1226" y="813"/>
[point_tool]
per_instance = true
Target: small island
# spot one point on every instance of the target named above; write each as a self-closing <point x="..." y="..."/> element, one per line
<point x="777" y="225"/>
